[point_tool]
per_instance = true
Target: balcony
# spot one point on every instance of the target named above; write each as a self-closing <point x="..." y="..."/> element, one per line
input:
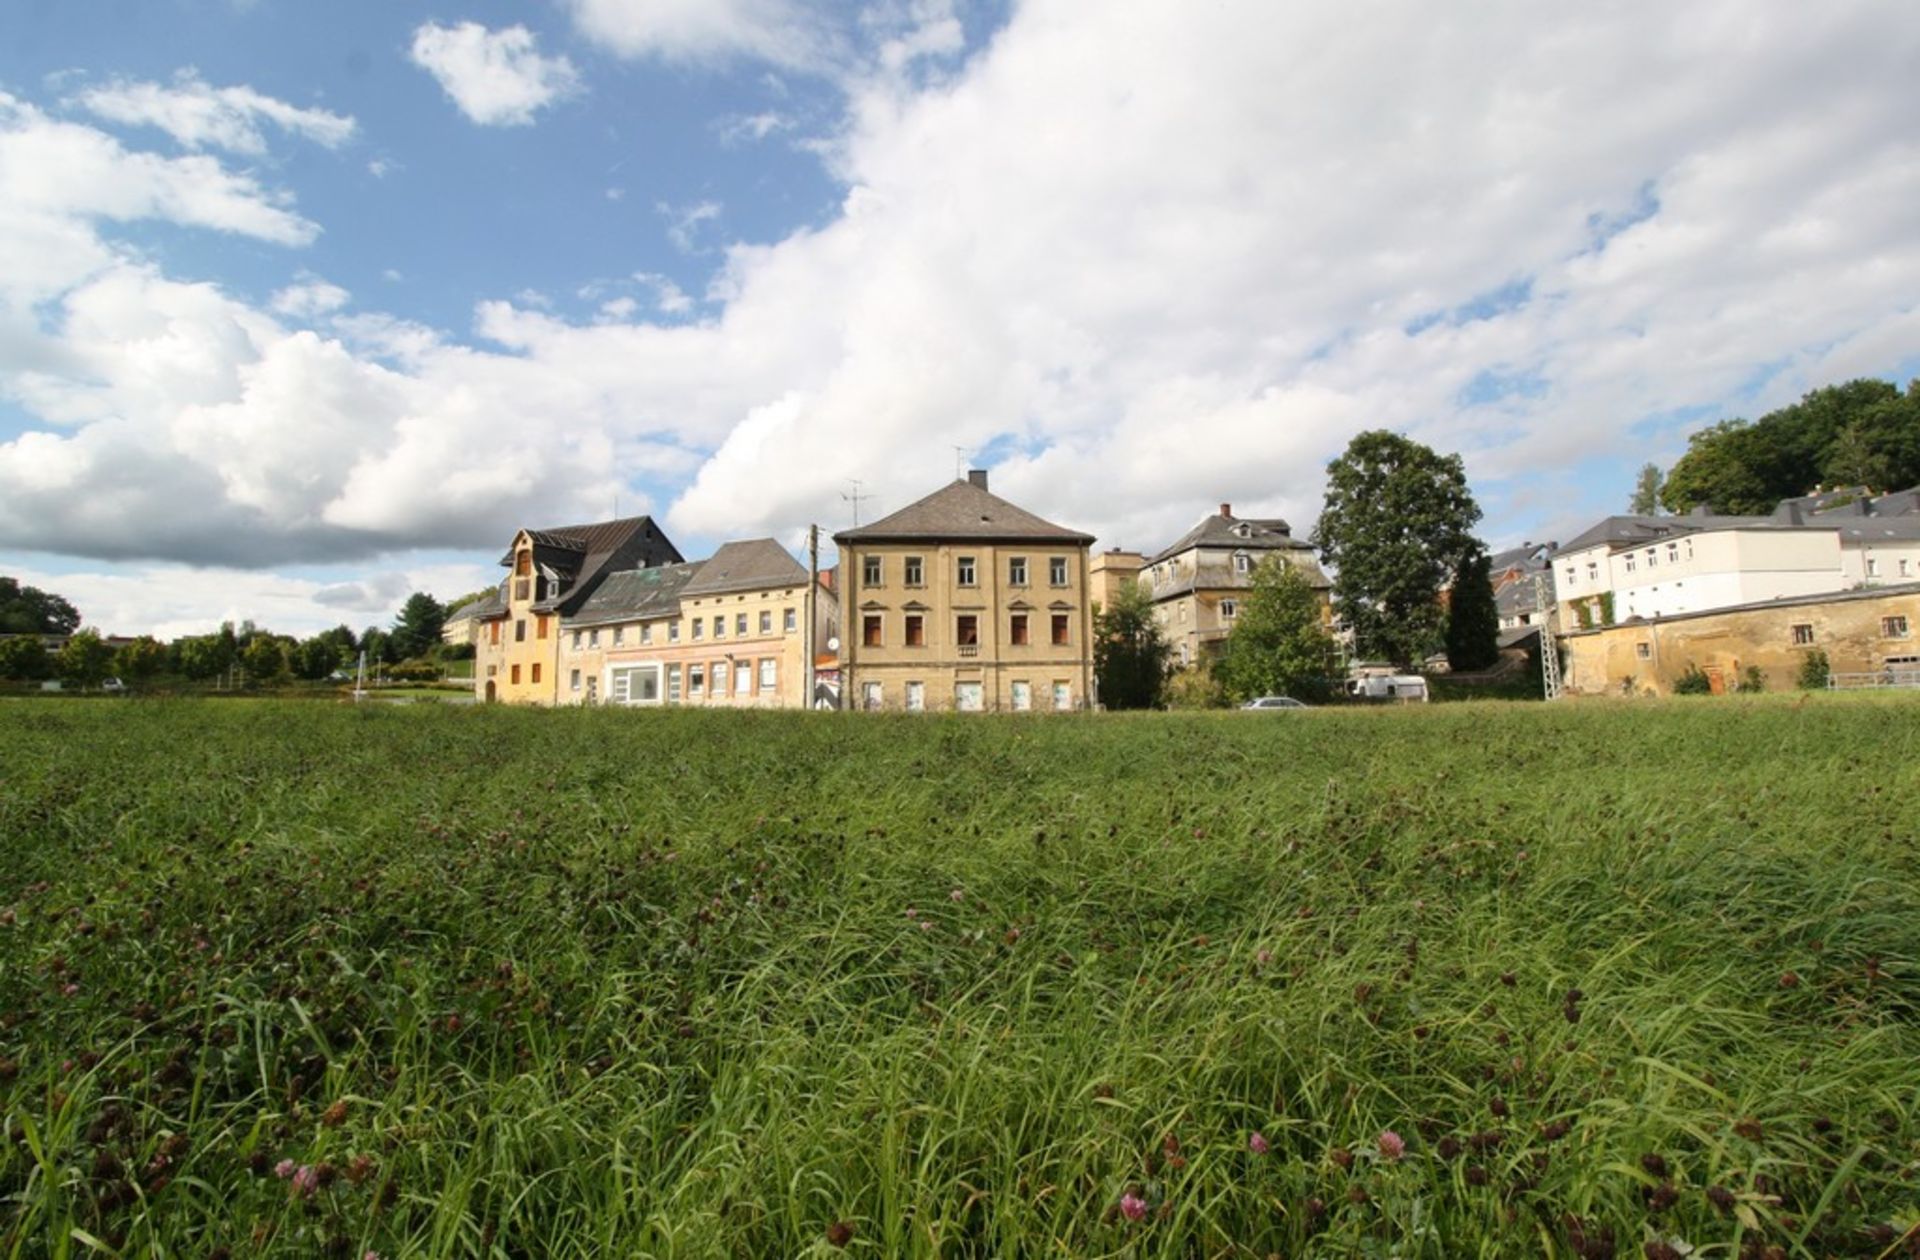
<point x="969" y="649"/>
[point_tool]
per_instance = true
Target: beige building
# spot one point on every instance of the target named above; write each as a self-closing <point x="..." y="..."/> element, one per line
<point x="551" y="574"/>
<point x="1111" y="571"/>
<point x="963" y="601"/>
<point x="1199" y="582"/>
<point x="1864" y="633"/>
<point x="723" y="632"/>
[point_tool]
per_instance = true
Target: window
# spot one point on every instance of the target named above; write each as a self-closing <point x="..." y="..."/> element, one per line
<point x="636" y="684"/>
<point x="1059" y="629"/>
<point x="699" y="629"/>
<point x="720" y="625"/>
<point x="536" y="671"/>
<point x="967" y="630"/>
<point x="493" y="633"/>
<point x="576" y="640"/>
<point x="646" y="633"/>
<point x="791" y="622"/>
<point x="1643" y="650"/>
<point x="619" y="635"/>
<point x="673" y="684"/>
<point x="1802" y="635"/>
<point x="1893" y="627"/>
<point x="766" y="621"/>
<point x="1572" y="576"/>
<point x="1627" y="561"/>
<point x="1689" y="543"/>
<point x="915" y="574"/>
<point x="696" y="681"/>
<point x="916" y="697"/>
<point x="870" y="630"/>
<point x="1904" y="565"/>
<point x="916" y="630"/>
<point x="1017" y="631"/>
<point x="1057" y="570"/>
<point x="719" y="673"/>
<point x="740" y="626"/>
<point x="871" y="695"/>
<point x="963" y="571"/>
<point x="1673" y="553"/>
<point x="520" y="631"/>
<point x="1653" y="558"/>
<point x="1062" y="696"/>
<point x="1593" y="571"/>
<point x="573" y="681"/>
<point x="742" y="678"/>
<point x="1242" y="562"/>
<point x="1022" y="696"/>
<point x="1016" y="571"/>
<point x="1229" y="609"/>
<point x="593" y="638"/>
<point x="769" y="674"/>
<point x="673" y="632"/>
<point x="513" y="675"/>
<point x="967" y="697"/>
<point x="870" y="571"/>
<point x="1873" y="567"/>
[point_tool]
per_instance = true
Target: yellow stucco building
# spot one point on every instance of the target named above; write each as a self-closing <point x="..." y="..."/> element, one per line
<point x="1199" y="582"/>
<point x="963" y="601"/>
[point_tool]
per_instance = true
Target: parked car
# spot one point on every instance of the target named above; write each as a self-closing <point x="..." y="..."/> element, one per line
<point x="112" y="684"/>
<point x="1269" y="704"/>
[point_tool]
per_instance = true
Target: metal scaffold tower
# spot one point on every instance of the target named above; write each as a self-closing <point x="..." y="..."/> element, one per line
<point x="1549" y="649"/>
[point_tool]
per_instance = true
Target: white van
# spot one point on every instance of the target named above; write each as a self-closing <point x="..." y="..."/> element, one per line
<point x="1389" y="688"/>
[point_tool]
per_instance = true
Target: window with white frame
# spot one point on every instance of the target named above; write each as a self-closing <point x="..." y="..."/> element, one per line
<point x="1673" y="553"/>
<point x="769" y="674"/>
<point x="1022" y="696"/>
<point x="1573" y="575"/>
<point x="916" y="697"/>
<point x="1653" y="557"/>
<point x="635" y="684"/>
<point x="1242" y="562"/>
<point x="1229" y="609"/>
<point x="696" y="682"/>
<point x="646" y="633"/>
<point x="870" y="570"/>
<point x="1627" y="562"/>
<point x="1873" y="567"/>
<point x="577" y="636"/>
<point x="915" y="572"/>
<point x="619" y="635"/>
<point x="1062" y="695"/>
<point x="766" y="621"/>
<point x="673" y="632"/>
<point x="1893" y="627"/>
<point x="1016" y="570"/>
<point x="593" y="638"/>
<point x="743" y="678"/>
<point x="720" y="625"/>
<point x="791" y="622"/>
<point x="964" y="572"/>
<point x="1593" y="571"/>
<point x="699" y="629"/>
<point x="673" y="684"/>
<point x="1056" y="571"/>
<point x="871" y="695"/>
<point x="1802" y="635"/>
<point x="1905" y="567"/>
<point x="740" y="625"/>
<point x="573" y="681"/>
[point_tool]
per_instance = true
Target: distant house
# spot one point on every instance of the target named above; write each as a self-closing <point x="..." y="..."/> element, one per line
<point x="1512" y="572"/>
<point x="551" y="575"/>
<point x="1111" y="571"/>
<point x="964" y="601"/>
<point x="1199" y="583"/>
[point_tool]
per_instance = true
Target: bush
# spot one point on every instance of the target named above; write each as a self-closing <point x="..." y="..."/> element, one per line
<point x="416" y="670"/>
<point x="1195" y="687"/>
<point x="1692" y="683"/>
<point x="1752" y="679"/>
<point x="1814" y="670"/>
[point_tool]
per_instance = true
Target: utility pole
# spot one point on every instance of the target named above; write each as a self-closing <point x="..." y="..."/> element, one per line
<point x="807" y="610"/>
<point x="1549" y="649"/>
<point x="855" y="498"/>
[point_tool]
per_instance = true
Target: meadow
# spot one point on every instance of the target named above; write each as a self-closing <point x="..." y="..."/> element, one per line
<point x="1598" y="979"/>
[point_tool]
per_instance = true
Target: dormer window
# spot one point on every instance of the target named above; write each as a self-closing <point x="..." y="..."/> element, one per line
<point x="1243" y="530"/>
<point x="1242" y="562"/>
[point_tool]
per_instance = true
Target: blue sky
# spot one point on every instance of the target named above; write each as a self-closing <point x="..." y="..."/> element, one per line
<point x="306" y="306"/>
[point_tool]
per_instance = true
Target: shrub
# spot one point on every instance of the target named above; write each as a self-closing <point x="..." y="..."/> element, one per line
<point x="1814" y="670"/>
<point x="1195" y="687"/>
<point x="1752" y="679"/>
<point x="1692" y="683"/>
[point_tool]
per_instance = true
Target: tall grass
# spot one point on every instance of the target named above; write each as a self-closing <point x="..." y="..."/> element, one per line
<point x="513" y="983"/>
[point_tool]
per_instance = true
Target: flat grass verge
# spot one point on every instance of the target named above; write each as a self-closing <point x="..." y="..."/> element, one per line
<point x="297" y="979"/>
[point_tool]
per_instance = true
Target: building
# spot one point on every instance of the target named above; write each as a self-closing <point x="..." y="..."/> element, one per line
<point x="1866" y="634"/>
<point x="963" y="601"/>
<point x="1661" y="566"/>
<point x="551" y="574"/>
<point x="1199" y="582"/>
<point x="1111" y="572"/>
<point x="1512" y="573"/>
<point x="728" y="631"/>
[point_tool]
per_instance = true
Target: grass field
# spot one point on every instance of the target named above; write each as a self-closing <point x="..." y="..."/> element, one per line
<point x="1452" y="980"/>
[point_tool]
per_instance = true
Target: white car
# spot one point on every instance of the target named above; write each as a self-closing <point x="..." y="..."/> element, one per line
<point x="1271" y="703"/>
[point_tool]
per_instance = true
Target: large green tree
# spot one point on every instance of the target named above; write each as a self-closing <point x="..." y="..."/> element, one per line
<point x="1864" y="432"/>
<point x="417" y="630"/>
<point x="1279" y="645"/>
<point x="1398" y="518"/>
<point x="29" y="610"/>
<point x="85" y="659"/>
<point x="265" y="658"/>
<point x="140" y="660"/>
<point x="1473" y="617"/>
<point x="1129" y="651"/>
<point x="25" y="657"/>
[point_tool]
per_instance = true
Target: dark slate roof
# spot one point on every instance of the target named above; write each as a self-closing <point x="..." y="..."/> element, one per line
<point x="1626" y="531"/>
<point x="1527" y="557"/>
<point x="752" y="565"/>
<point x="637" y="594"/>
<point x="1517" y="597"/>
<point x="1221" y="577"/>
<point x="583" y="554"/>
<point x="1217" y="531"/>
<point x="962" y="510"/>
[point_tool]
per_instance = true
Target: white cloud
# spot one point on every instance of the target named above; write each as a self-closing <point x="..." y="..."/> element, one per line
<point x="740" y="128"/>
<point x="380" y="168"/>
<point x="200" y="116"/>
<point x="309" y="299"/>
<point x="684" y="222"/>
<point x="777" y="31"/>
<point x="497" y="78"/>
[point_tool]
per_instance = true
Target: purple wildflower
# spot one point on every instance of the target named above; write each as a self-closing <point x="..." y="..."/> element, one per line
<point x="306" y="1180"/>
<point x="1133" y="1207"/>
<point x="1258" y="1143"/>
<point x="1392" y="1146"/>
<point x="283" y="1169"/>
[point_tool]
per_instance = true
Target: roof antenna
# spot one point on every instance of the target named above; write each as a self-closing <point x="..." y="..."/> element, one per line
<point x="854" y="499"/>
<point x="959" y="462"/>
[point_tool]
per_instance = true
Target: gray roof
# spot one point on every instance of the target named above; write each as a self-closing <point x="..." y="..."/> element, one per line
<point x="1517" y="597"/>
<point x="637" y="594"/>
<point x="582" y="554"/>
<point x="752" y="565"/>
<point x="1217" y="531"/>
<point x="962" y="510"/>
<point x="1627" y="531"/>
<point x="1527" y="558"/>
<point x="488" y="603"/>
<point x="1804" y="512"/>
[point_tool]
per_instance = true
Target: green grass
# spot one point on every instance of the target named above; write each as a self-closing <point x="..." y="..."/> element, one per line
<point x="577" y="983"/>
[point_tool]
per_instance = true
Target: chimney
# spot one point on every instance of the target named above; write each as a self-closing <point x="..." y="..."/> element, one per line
<point x="978" y="476"/>
<point x="1226" y="510"/>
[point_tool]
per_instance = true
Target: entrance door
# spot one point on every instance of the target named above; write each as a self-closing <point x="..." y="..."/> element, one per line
<point x="491" y="694"/>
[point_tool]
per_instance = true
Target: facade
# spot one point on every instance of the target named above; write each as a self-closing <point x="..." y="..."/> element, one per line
<point x="1199" y="582"/>
<point x="551" y="574"/>
<point x="1871" y="631"/>
<point x="1512" y="573"/>
<point x="1111" y="572"/>
<point x="962" y="601"/>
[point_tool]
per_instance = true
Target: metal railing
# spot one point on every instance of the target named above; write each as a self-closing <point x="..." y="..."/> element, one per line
<point x="1889" y="677"/>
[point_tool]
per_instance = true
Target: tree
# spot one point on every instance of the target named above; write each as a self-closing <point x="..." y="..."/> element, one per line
<point x="1279" y="645"/>
<point x="85" y="660"/>
<point x="1396" y="522"/>
<point x="1813" y="671"/>
<point x="29" y="610"/>
<point x="24" y="657"/>
<point x="265" y="658"/>
<point x="417" y="629"/>
<point x="203" y="656"/>
<point x="1473" y="618"/>
<point x="140" y="660"/>
<point x="317" y="657"/>
<point x="1646" y="492"/>
<point x="1129" y="652"/>
<point x="378" y="646"/>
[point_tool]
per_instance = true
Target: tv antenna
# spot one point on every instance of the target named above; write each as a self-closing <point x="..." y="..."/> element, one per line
<point x="854" y="498"/>
<point x="959" y="462"/>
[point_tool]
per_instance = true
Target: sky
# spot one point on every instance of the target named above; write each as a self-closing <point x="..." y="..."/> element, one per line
<point x="304" y="307"/>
